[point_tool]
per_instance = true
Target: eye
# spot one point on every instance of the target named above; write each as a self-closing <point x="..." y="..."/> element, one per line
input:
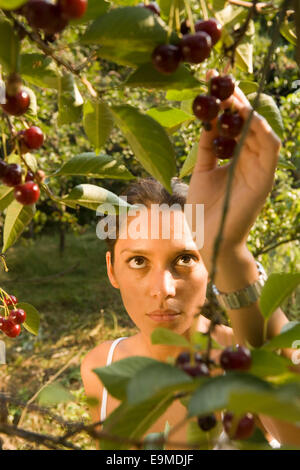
<point x="190" y="260"/>
<point x="137" y="262"/>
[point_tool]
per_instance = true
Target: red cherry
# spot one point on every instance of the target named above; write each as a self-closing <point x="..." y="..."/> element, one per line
<point x="33" y="137"/>
<point x="14" y="331"/>
<point x="27" y="193"/>
<point x="185" y="357"/>
<point x="16" y="105"/>
<point x="166" y="58"/>
<point x="230" y="124"/>
<point x="42" y="14"/>
<point x="73" y="8"/>
<point x="12" y="300"/>
<point x="222" y="87"/>
<point x="7" y="325"/>
<point x="224" y="147"/>
<point x="236" y="359"/>
<point x="244" y="428"/>
<point x="195" y="48"/>
<point x="206" y="107"/>
<point x="206" y="423"/>
<point x="17" y="316"/>
<point x="13" y="175"/>
<point x="196" y="370"/>
<point x="211" y="27"/>
<point x="1" y="322"/>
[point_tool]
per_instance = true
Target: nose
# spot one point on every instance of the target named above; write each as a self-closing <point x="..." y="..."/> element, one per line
<point x="162" y="284"/>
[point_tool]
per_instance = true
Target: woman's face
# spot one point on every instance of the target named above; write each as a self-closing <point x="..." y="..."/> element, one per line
<point x="159" y="274"/>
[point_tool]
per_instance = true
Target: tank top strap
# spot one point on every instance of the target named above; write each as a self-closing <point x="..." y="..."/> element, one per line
<point x="108" y="362"/>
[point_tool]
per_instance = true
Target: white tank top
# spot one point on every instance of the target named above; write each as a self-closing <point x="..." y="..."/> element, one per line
<point x="108" y="362"/>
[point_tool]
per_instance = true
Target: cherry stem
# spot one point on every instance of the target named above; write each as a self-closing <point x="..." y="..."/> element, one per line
<point x="177" y="16"/>
<point x="204" y="9"/>
<point x="171" y="21"/>
<point x="190" y="15"/>
<point x="2" y="256"/>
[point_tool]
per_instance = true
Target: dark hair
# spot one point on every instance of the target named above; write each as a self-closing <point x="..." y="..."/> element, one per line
<point x="149" y="191"/>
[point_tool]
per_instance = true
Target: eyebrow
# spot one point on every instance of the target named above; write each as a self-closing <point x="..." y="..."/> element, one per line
<point x="146" y="252"/>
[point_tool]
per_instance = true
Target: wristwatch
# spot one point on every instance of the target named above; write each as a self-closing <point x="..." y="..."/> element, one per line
<point x="244" y="297"/>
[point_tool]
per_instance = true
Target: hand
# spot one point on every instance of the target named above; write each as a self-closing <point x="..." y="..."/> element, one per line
<point x="252" y="182"/>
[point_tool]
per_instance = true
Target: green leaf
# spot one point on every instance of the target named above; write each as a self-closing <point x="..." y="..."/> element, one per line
<point x="201" y="340"/>
<point x="132" y="421"/>
<point x="97" y="122"/>
<point x="12" y="4"/>
<point x="276" y="289"/>
<point x="180" y="95"/>
<point x="290" y="333"/>
<point x="116" y="376"/>
<point x="91" y="196"/>
<point x="157" y="379"/>
<point x="244" y="57"/>
<point x="165" y="6"/>
<point x="16" y="220"/>
<point x="94" y="9"/>
<point x="31" y="162"/>
<point x="53" y="394"/>
<point x="282" y="403"/>
<point x="95" y="166"/>
<point x="269" y="110"/>
<point x="189" y="162"/>
<point x="6" y="196"/>
<point x="40" y="70"/>
<point x="169" y="117"/>
<point x="149" y="141"/>
<point x="9" y="46"/>
<point x="214" y="394"/>
<point x="32" y="322"/>
<point x="151" y="441"/>
<point x="247" y="86"/>
<point x="288" y="31"/>
<point x="146" y="76"/>
<point x="166" y="336"/>
<point x="286" y="165"/>
<point x="127" y="30"/>
<point x="267" y="364"/>
<point x="69" y="100"/>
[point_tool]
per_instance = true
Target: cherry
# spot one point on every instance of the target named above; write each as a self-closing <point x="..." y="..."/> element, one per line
<point x="14" y="331"/>
<point x="12" y="300"/>
<point x="185" y="27"/>
<point x="41" y="14"/>
<point x="185" y="357"/>
<point x="230" y="124"/>
<point x="13" y="175"/>
<point x="33" y="137"/>
<point x="236" y="359"/>
<point x="206" y="423"/>
<point x="73" y="8"/>
<point x="29" y="176"/>
<point x="222" y="87"/>
<point x="7" y="325"/>
<point x="166" y="58"/>
<point x="206" y="107"/>
<point x="244" y="429"/>
<point x="195" y="48"/>
<point x="17" y="104"/>
<point x="3" y="167"/>
<point x="196" y="370"/>
<point x="27" y="193"/>
<point x="211" y="27"/>
<point x="1" y="322"/>
<point x="17" y="316"/>
<point x="224" y="146"/>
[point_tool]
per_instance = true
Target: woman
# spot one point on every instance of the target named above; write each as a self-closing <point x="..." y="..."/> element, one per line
<point x="163" y="280"/>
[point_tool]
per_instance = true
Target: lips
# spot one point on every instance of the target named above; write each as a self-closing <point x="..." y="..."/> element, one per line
<point x="164" y="312"/>
<point x="164" y="315"/>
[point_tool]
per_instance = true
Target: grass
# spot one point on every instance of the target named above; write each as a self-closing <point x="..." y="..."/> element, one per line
<point x="79" y="309"/>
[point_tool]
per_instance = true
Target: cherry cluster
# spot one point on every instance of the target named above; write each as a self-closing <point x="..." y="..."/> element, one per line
<point x="11" y="325"/>
<point x="193" y="48"/>
<point x="52" y="18"/>
<point x="230" y="123"/>
<point x="232" y="358"/>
